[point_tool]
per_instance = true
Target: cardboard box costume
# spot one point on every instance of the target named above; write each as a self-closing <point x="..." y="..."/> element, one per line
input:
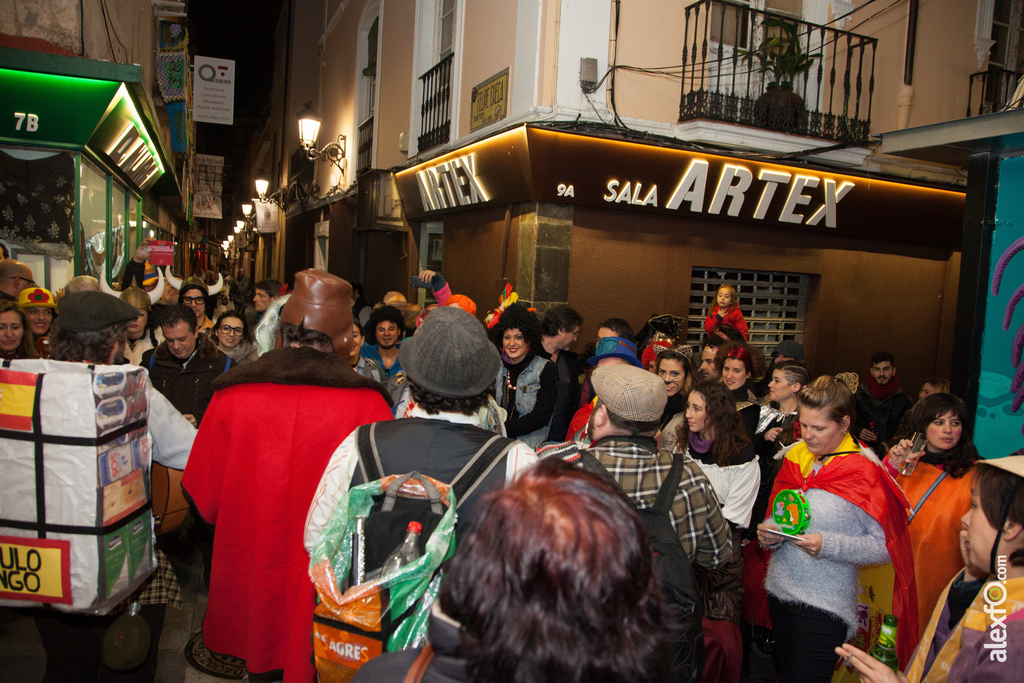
<point x="76" y="529"/>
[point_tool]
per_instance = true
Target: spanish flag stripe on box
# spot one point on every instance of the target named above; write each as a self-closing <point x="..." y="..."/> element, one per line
<point x="17" y="397"/>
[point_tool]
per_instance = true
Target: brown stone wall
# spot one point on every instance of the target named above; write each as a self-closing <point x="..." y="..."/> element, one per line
<point x="865" y="296"/>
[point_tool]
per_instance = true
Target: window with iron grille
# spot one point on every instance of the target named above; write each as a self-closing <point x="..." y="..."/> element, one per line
<point x="774" y="304"/>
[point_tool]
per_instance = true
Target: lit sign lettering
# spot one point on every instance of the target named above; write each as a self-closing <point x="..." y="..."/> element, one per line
<point x="735" y="181"/>
<point x="31" y="121"/>
<point x="450" y="184"/>
<point x="631" y="196"/>
<point x="133" y="156"/>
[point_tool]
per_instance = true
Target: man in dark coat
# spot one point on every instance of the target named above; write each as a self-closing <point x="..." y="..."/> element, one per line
<point x="880" y="404"/>
<point x="254" y="470"/>
<point x="560" y="328"/>
<point x="185" y="364"/>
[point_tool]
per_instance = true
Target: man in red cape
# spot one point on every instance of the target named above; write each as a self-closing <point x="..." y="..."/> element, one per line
<point x="863" y="482"/>
<point x="258" y="457"/>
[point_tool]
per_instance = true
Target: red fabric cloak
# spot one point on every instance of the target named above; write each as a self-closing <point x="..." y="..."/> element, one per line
<point x="863" y="482"/>
<point x="253" y="471"/>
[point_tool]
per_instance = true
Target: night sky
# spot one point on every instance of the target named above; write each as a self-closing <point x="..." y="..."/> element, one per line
<point x="242" y="30"/>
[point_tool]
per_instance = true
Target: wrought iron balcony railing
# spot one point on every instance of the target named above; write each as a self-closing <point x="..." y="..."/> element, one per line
<point x="365" y="149"/>
<point x="769" y="70"/>
<point x="436" y="110"/>
<point x="991" y="90"/>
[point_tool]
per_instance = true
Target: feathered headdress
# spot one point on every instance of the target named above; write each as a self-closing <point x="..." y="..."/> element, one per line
<point x="507" y="298"/>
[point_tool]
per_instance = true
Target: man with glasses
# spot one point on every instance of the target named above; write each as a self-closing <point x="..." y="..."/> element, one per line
<point x="14" y="277"/>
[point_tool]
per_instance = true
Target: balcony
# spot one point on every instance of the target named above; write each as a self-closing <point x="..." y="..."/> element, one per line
<point x="364" y="151"/>
<point x="772" y="71"/>
<point x="436" y="110"/>
<point x="992" y="91"/>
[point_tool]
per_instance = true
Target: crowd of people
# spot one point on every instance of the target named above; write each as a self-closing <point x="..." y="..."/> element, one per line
<point x="552" y="578"/>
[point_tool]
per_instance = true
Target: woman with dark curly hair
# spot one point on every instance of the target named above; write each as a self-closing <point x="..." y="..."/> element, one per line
<point x="16" y="340"/>
<point x="527" y="385"/>
<point x="555" y="584"/>
<point x="714" y="436"/>
<point x="938" y="492"/>
<point x="231" y="332"/>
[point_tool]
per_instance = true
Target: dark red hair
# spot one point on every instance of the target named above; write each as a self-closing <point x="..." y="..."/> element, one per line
<point x="556" y="583"/>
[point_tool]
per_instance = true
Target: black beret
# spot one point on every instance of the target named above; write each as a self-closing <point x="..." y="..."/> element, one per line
<point x="92" y="311"/>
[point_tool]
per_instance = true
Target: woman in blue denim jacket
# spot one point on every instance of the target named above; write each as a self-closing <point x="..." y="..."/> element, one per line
<point x="526" y="386"/>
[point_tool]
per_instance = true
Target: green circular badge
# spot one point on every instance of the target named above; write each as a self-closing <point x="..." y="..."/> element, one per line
<point x="791" y="511"/>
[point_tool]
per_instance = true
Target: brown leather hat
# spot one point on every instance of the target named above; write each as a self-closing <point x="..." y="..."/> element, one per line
<point x="322" y="302"/>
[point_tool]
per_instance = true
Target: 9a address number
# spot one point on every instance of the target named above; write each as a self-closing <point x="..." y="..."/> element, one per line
<point x="29" y="121"/>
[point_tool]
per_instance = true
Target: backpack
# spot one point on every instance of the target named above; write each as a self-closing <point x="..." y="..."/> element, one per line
<point x="678" y="581"/>
<point x="353" y="624"/>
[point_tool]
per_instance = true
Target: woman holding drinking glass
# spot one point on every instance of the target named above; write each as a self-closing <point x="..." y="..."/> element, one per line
<point x="938" y="489"/>
<point x="857" y="516"/>
<point x="232" y="336"/>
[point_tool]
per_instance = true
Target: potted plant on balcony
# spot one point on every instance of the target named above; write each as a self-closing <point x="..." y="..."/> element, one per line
<point x="780" y="59"/>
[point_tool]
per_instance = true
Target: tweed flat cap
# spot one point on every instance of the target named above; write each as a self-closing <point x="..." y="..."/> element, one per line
<point x="629" y="392"/>
<point x="92" y="311"/>
<point x="450" y="355"/>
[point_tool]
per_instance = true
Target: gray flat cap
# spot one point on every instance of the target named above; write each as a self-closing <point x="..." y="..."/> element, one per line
<point x="450" y="355"/>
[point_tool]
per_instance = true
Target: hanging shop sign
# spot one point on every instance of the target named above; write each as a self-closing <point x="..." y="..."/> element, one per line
<point x="533" y="164"/>
<point x="213" y="100"/>
<point x="489" y="101"/>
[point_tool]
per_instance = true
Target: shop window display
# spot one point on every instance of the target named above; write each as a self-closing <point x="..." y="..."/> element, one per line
<point x="37" y="200"/>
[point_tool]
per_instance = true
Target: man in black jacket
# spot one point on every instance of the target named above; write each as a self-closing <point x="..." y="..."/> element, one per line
<point x="560" y="328"/>
<point x="880" y="403"/>
<point x="185" y="364"/>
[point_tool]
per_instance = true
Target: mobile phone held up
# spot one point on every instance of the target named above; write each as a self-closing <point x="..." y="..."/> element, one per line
<point x="415" y="281"/>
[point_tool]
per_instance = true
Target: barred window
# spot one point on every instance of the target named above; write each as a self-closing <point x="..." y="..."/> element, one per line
<point x="774" y="304"/>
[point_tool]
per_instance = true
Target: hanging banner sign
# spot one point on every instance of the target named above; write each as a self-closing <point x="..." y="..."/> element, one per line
<point x="35" y="569"/>
<point x="213" y="96"/>
<point x="209" y="172"/>
<point x="267" y="217"/>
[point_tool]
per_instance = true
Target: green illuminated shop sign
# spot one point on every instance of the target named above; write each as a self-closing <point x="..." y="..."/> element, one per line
<point x="69" y="111"/>
<point x="44" y="109"/>
<point x="123" y="139"/>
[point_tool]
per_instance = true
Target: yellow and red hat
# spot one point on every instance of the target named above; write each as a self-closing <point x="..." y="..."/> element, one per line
<point x="36" y="297"/>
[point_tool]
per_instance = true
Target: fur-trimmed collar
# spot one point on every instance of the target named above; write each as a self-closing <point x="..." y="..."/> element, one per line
<point x="299" y="366"/>
<point x="207" y="349"/>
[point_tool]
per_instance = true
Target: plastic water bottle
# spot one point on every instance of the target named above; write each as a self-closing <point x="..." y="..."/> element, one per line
<point x="358" y="570"/>
<point x="885" y="650"/>
<point x="406" y="553"/>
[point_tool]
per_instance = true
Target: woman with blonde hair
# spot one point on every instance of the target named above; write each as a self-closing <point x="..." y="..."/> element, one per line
<point x="857" y="516"/>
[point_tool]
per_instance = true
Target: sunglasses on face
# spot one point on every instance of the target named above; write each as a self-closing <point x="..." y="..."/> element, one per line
<point x="193" y="299"/>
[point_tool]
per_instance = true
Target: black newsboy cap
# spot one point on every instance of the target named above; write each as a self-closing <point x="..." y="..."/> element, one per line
<point x="92" y="311"/>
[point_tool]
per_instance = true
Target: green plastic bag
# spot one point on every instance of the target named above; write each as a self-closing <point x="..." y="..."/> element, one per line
<point x="390" y="613"/>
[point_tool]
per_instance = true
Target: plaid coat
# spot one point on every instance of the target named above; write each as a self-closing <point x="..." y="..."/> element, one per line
<point x="639" y="468"/>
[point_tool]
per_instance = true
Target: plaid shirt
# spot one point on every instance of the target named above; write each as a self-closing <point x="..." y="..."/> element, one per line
<point x="696" y="513"/>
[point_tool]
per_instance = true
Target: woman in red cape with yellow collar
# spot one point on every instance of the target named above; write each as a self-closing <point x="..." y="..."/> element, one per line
<point x="858" y="516"/>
